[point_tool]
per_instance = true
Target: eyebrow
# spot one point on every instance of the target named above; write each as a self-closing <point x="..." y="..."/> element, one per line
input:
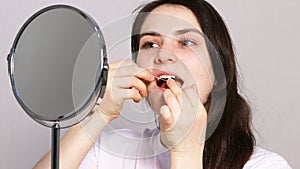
<point x="150" y="34"/>
<point x="188" y="30"/>
<point x="177" y="32"/>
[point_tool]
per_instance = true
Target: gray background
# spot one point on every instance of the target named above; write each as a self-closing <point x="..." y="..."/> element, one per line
<point x="266" y="37"/>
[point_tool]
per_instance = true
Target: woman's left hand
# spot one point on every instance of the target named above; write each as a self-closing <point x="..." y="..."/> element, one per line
<point x="183" y="119"/>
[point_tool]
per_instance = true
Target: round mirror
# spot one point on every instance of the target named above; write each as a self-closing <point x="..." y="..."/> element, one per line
<point x="58" y="66"/>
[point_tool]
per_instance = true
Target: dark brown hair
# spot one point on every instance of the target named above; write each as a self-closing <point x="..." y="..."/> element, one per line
<point x="231" y="143"/>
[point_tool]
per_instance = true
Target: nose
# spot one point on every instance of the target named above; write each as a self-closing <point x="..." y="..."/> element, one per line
<point x="165" y="56"/>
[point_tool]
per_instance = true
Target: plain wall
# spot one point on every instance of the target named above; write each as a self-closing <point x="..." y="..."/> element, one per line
<point x="266" y="38"/>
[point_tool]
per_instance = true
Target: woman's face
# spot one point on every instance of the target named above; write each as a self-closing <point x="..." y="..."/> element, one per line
<point x="171" y="43"/>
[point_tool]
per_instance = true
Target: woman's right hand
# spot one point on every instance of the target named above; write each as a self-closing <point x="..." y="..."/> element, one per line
<point x="125" y="81"/>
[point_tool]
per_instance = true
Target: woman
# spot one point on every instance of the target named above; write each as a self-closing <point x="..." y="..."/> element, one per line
<point x="174" y="44"/>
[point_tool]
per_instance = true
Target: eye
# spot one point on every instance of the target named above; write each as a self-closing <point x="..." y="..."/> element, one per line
<point x="150" y="44"/>
<point x="187" y="42"/>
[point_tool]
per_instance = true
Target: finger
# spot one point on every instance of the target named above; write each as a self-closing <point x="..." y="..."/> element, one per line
<point x="132" y="69"/>
<point x="122" y="63"/>
<point x="119" y="96"/>
<point x="124" y="71"/>
<point x="166" y="120"/>
<point x="145" y="75"/>
<point x="133" y="82"/>
<point x="176" y="90"/>
<point x="194" y="86"/>
<point x="172" y="103"/>
<point x="131" y="94"/>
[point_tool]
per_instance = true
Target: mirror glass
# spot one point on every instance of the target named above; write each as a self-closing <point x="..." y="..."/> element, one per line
<point x="55" y="65"/>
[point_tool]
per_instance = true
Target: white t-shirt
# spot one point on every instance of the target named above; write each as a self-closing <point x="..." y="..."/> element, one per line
<point x="123" y="149"/>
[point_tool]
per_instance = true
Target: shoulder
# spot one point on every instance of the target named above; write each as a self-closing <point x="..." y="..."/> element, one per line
<point x="264" y="159"/>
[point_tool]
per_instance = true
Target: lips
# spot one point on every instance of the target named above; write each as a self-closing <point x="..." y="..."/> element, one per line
<point x="163" y="76"/>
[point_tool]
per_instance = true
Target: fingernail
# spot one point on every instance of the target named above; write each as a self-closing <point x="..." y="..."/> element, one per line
<point x="194" y="86"/>
<point x="170" y="81"/>
<point x="152" y="77"/>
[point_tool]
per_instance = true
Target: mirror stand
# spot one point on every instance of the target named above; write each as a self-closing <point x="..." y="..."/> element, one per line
<point x="55" y="147"/>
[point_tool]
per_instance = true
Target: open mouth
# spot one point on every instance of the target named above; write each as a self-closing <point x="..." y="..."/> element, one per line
<point x="162" y="79"/>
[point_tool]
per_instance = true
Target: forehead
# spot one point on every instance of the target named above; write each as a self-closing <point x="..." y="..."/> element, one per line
<point x="167" y="18"/>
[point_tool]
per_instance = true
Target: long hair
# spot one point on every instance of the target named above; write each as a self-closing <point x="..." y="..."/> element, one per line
<point x="232" y="142"/>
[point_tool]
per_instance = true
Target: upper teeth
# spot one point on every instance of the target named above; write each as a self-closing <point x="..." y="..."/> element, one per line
<point x="165" y="77"/>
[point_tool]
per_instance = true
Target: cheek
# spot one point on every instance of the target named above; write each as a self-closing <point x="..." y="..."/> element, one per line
<point x="204" y="90"/>
<point x="145" y="59"/>
<point x="203" y="79"/>
<point x="139" y="60"/>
